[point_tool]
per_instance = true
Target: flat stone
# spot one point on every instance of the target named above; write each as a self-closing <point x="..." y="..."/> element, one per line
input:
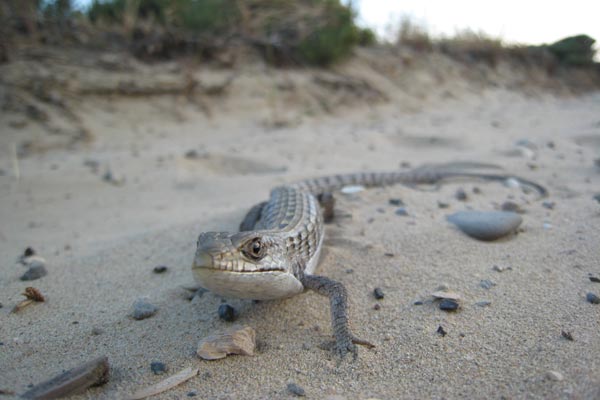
<point x="441" y="294"/>
<point x="486" y="225"/>
<point x="487" y="284"/>
<point x="34" y="272"/>
<point x="378" y="293"/>
<point x="238" y="341"/>
<point x="554" y="376"/>
<point x="142" y="309"/>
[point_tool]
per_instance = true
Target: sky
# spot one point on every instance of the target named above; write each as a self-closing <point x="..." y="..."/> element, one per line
<point x="514" y="21"/>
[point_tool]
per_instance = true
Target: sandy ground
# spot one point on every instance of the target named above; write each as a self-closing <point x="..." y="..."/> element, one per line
<point x="103" y="239"/>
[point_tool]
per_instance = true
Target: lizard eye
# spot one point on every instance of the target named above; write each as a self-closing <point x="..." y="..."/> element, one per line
<point x="254" y="249"/>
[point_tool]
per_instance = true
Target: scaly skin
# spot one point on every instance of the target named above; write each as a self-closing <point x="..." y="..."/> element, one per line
<point x="276" y="253"/>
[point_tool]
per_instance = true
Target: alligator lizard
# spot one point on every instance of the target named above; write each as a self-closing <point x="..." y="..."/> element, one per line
<point x="277" y="249"/>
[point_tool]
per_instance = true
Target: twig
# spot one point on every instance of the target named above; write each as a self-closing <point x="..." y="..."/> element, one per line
<point x="33" y="295"/>
<point x="166" y="384"/>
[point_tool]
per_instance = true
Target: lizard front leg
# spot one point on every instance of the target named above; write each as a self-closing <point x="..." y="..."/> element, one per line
<point x="345" y="340"/>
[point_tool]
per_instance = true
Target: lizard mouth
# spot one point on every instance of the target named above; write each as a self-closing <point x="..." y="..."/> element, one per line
<point x="205" y="262"/>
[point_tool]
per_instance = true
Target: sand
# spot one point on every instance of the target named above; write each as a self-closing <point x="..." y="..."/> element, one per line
<point x="102" y="238"/>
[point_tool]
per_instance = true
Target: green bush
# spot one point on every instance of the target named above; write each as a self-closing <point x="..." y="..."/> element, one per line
<point x="574" y="50"/>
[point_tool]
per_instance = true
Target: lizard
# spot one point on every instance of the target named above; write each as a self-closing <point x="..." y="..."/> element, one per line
<point x="276" y="251"/>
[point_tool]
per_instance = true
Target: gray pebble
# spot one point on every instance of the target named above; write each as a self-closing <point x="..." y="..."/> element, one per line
<point x="486" y="225"/>
<point x="142" y="309"/>
<point x="449" y="305"/>
<point x="418" y="303"/>
<point x="594" y="279"/>
<point x="97" y="331"/>
<point x="597" y="197"/>
<point x="441" y="204"/>
<point x="486" y="284"/>
<point x="378" y="293"/>
<point x="592" y="298"/>
<point x="226" y="312"/>
<point x="441" y="331"/>
<point x="158" y="367"/>
<point x="512" y="206"/>
<point x="498" y="268"/>
<point x="402" y="212"/>
<point x="296" y="390"/>
<point x="159" y="269"/>
<point x="34" y="272"/>
<point x="549" y="204"/>
<point x="396" y="202"/>
<point x="461" y="194"/>
<point x="192" y="393"/>
<point x="554" y="376"/>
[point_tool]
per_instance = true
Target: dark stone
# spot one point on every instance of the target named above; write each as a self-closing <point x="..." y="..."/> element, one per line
<point x="29" y="251"/>
<point x="461" y="194"/>
<point x="511" y="206"/>
<point x="567" y="335"/>
<point x="296" y="390"/>
<point x="377" y="307"/>
<point x="34" y="272"/>
<point x="597" y="197"/>
<point x="449" y="305"/>
<point x="443" y="205"/>
<point x="378" y="293"/>
<point x="158" y="367"/>
<point x="192" y="393"/>
<point x="592" y="298"/>
<point x="226" y="312"/>
<point x="159" y="269"/>
<point x="549" y="205"/>
<point x="402" y="212"/>
<point x="396" y="202"/>
<point x="441" y="330"/>
<point x="142" y="309"/>
<point x="594" y="279"/>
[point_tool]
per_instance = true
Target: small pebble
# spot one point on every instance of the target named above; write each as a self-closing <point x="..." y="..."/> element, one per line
<point x="352" y="189"/>
<point x="597" y="197"/>
<point x="418" y="303"/>
<point x="388" y="254"/>
<point x="547" y="225"/>
<point x="396" y="202"/>
<point x="97" y="331"/>
<point x="595" y="279"/>
<point x="554" y="376"/>
<point x="142" y="309"/>
<point x="226" y="312"/>
<point x="34" y="272"/>
<point x="486" y="284"/>
<point x="296" y="390"/>
<point x="158" y="367"/>
<point x="441" y="330"/>
<point x="476" y="190"/>
<point x="380" y="210"/>
<point x="159" y="269"/>
<point x="378" y="293"/>
<point x="192" y="393"/>
<point x="592" y="298"/>
<point x="567" y="335"/>
<point x="401" y="212"/>
<point x="449" y="305"/>
<point x="498" y="268"/>
<point x="483" y="303"/>
<point x="377" y="307"/>
<point x="512" y="206"/>
<point x="442" y="204"/>
<point x="442" y="294"/>
<point x="29" y="251"/>
<point x="461" y="195"/>
<point x="486" y="225"/>
<point x="549" y="205"/>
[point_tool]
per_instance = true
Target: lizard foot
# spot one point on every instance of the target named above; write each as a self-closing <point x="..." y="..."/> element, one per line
<point x="346" y="345"/>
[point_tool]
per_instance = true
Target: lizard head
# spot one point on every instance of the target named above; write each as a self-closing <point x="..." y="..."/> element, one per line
<point x="249" y="265"/>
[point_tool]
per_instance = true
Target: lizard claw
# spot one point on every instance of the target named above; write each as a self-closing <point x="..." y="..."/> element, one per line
<point x="348" y="344"/>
